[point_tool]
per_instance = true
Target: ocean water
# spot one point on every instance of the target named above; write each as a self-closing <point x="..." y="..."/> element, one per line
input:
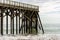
<point x="51" y="28"/>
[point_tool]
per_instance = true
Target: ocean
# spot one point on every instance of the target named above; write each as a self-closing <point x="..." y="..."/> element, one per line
<point x="51" y="28"/>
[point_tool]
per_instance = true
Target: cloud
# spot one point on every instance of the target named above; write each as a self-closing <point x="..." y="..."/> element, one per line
<point x="50" y="6"/>
<point x="44" y="1"/>
<point x="52" y="18"/>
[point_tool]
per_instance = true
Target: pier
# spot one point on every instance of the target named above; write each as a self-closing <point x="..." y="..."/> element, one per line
<point x="19" y="18"/>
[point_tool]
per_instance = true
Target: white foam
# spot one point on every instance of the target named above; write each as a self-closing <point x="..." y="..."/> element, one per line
<point x="32" y="37"/>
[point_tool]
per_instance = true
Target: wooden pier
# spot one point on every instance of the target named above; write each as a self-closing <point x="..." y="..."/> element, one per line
<point x="19" y="18"/>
